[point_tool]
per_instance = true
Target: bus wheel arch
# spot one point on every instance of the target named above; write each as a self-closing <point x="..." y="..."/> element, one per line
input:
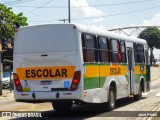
<point x="140" y="90"/>
<point x="112" y="93"/>
<point x="142" y="84"/>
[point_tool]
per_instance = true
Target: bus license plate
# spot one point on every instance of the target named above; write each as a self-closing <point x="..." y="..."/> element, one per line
<point x="45" y="82"/>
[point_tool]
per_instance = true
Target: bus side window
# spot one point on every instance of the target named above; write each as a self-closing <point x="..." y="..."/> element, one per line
<point x="140" y="52"/>
<point x="135" y="53"/>
<point x="123" y="52"/>
<point x="89" y="48"/>
<point x="116" y="55"/>
<point x="103" y="49"/>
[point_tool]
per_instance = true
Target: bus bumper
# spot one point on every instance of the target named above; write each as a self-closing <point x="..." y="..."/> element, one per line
<point x="34" y="97"/>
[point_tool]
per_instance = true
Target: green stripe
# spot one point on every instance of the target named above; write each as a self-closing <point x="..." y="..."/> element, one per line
<point x="98" y="82"/>
<point x="139" y="64"/>
<point x="94" y="82"/>
<point x="90" y="64"/>
<point x="102" y="64"/>
<point x="90" y="83"/>
<point x="102" y="81"/>
<point x="138" y="76"/>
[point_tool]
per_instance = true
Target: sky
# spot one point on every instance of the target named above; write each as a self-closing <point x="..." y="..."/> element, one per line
<point x="104" y="14"/>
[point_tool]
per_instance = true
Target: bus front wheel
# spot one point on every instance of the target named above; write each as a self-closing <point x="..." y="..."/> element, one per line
<point x="139" y="95"/>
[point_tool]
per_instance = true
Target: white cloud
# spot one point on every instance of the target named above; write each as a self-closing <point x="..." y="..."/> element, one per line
<point x="102" y="27"/>
<point x="155" y="21"/>
<point x="116" y="26"/>
<point x="86" y="11"/>
<point x="124" y="32"/>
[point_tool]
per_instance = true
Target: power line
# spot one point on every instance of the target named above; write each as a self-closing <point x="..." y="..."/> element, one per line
<point x="100" y="5"/>
<point x="111" y="15"/>
<point x="16" y="2"/>
<point x="43" y="21"/>
<point x="115" y="4"/>
<point x="11" y="2"/>
<point x="40" y="6"/>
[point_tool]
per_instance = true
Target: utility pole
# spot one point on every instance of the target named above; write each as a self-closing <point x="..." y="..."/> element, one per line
<point x="64" y="20"/>
<point x="69" y="15"/>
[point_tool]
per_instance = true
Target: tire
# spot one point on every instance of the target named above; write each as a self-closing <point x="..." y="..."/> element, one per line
<point x="111" y="99"/>
<point x="62" y="106"/>
<point x="139" y="95"/>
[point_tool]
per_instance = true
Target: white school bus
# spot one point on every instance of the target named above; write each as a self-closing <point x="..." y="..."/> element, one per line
<point x="70" y="64"/>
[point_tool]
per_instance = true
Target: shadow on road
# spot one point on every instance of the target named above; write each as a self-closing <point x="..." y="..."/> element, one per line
<point x="87" y="111"/>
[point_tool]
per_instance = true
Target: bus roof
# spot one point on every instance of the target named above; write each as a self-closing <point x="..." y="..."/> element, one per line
<point x="109" y="34"/>
<point x="96" y="31"/>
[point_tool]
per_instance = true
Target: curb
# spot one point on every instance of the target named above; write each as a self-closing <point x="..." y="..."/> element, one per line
<point x="156" y="76"/>
<point x="5" y="94"/>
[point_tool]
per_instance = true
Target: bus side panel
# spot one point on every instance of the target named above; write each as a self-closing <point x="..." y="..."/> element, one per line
<point x="96" y="86"/>
<point x="140" y="74"/>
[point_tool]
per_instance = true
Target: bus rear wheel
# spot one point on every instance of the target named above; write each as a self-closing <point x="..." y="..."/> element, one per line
<point x="62" y="106"/>
<point x="111" y="99"/>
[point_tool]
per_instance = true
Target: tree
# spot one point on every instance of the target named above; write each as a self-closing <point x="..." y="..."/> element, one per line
<point x="9" y="22"/>
<point x="152" y="36"/>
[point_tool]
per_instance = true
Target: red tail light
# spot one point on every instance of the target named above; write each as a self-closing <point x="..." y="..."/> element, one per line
<point x="76" y="80"/>
<point x="17" y="82"/>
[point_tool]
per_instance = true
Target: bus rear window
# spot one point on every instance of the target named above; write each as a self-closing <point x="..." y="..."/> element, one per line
<point x="40" y="39"/>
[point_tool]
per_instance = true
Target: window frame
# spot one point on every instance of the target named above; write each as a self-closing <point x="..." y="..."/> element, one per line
<point x="139" y="53"/>
<point x="106" y="50"/>
<point x="123" y="60"/>
<point x="114" y="52"/>
<point x="85" y="48"/>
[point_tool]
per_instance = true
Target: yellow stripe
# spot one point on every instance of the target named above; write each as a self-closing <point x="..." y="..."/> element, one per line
<point x="38" y="73"/>
<point x="140" y="69"/>
<point x="114" y="70"/>
<point x="100" y="71"/>
<point x="92" y="71"/>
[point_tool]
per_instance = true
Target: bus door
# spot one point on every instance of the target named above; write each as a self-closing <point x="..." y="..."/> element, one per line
<point x="147" y="70"/>
<point x="131" y="76"/>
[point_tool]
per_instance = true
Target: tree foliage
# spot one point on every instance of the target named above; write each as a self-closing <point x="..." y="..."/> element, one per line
<point x="9" y="22"/>
<point x="152" y="36"/>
